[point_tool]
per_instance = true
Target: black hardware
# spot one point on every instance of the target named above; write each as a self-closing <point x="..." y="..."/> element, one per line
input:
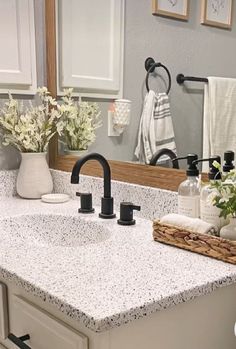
<point x="150" y="66"/>
<point x="107" y="200"/>
<point x="214" y="173"/>
<point x="126" y="213"/>
<point x="180" y="78"/>
<point x="192" y="170"/>
<point x="19" y="341"/>
<point x="165" y="151"/>
<point x="86" y="205"/>
<point x="228" y="158"/>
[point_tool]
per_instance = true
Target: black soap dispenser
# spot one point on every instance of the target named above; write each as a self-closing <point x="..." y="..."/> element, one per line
<point x="189" y="190"/>
<point x="228" y="164"/>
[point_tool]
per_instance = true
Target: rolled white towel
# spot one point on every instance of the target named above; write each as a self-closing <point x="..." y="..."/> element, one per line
<point x="194" y="224"/>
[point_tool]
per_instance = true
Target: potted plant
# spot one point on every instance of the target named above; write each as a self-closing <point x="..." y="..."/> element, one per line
<point x="225" y="199"/>
<point x="30" y="131"/>
<point x="80" y="121"/>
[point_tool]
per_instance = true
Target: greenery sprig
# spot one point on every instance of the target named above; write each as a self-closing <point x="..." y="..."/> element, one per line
<point x="80" y="120"/>
<point x="225" y="193"/>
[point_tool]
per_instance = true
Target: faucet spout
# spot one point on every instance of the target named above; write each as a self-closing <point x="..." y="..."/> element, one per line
<point x="106" y="171"/>
<point x="107" y="200"/>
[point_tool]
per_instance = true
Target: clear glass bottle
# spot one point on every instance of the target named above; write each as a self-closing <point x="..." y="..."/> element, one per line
<point x="189" y="197"/>
<point x="189" y="190"/>
<point x="208" y="212"/>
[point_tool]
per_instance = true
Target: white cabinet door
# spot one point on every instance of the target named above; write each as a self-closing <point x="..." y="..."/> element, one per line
<point x="3" y="312"/>
<point x="45" y="331"/>
<point x="17" y="42"/>
<point x="90" y="46"/>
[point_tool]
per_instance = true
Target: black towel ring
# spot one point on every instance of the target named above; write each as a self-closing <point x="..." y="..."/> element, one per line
<point x="150" y="66"/>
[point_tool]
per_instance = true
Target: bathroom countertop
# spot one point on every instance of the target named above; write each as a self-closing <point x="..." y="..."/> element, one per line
<point x="110" y="283"/>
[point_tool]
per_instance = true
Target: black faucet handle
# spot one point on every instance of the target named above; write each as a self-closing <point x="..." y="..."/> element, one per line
<point x="126" y="213"/>
<point x="86" y="205"/>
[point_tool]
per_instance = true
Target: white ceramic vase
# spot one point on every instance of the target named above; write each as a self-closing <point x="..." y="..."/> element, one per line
<point x="229" y="230"/>
<point x="34" y="178"/>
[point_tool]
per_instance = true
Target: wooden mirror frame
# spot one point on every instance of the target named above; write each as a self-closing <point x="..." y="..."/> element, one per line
<point x="153" y="176"/>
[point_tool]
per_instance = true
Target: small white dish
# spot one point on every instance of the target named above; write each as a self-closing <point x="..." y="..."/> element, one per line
<point x="55" y="198"/>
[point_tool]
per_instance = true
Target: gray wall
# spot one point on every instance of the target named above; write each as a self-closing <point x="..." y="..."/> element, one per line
<point x="186" y="47"/>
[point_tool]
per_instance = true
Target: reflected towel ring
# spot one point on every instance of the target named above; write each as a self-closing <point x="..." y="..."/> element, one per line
<point x="150" y="66"/>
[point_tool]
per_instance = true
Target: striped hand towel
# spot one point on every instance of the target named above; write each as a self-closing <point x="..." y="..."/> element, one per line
<point x="155" y="129"/>
<point x="161" y="127"/>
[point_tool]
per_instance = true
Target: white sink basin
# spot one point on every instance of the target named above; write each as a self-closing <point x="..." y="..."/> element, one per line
<point x="51" y="230"/>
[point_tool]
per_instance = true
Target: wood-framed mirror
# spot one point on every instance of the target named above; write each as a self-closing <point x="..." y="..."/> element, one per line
<point x="154" y="176"/>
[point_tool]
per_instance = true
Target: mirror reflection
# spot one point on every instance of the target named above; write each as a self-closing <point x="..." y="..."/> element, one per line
<point x="181" y="46"/>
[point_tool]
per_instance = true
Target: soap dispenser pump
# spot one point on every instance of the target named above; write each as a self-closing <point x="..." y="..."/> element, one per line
<point x="228" y="164"/>
<point x="189" y="190"/>
<point x="208" y="212"/>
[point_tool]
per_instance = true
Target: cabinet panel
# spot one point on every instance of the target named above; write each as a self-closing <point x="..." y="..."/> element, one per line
<point x="90" y="46"/>
<point x="3" y="312"/>
<point x="44" y="330"/>
<point x="17" y="37"/>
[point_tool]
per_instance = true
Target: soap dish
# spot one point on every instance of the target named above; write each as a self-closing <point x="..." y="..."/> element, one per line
<point x="55" y="198"/>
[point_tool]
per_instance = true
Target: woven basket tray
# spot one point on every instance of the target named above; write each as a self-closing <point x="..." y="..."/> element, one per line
<point x="207" y="245"/>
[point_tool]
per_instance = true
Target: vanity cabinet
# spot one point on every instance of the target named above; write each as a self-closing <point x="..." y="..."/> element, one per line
<point x="45" y="331"/>
<point x="17" y="42"/>
<point x="3" y="312"/>
<point x="206" y="322"/>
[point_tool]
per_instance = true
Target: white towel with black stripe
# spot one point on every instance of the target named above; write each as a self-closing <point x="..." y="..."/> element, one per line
<point x="143" y="151"/>
<point x="156" y="129"/>
<point x="161" y="127"/>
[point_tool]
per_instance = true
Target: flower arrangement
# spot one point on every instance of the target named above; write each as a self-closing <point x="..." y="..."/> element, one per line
<point x="30" y="130"/>
<point x="225" y="193"/>
<point x="80" y="120"/>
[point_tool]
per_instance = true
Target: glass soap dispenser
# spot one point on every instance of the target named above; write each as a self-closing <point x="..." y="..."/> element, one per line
<point x="208" y="212"/>
<point x="189" y="190"/>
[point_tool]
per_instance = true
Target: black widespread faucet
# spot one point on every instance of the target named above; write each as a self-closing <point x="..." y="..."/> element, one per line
<point x="107" y="199"/>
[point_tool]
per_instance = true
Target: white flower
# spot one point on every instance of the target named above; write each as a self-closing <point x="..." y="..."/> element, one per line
<point x="211" y="198"/>
<point x="29" y="130"/>
<point x="80" y="119"/>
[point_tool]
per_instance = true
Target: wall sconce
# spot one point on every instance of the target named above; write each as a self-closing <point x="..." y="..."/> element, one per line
<point x="118" y="117"/>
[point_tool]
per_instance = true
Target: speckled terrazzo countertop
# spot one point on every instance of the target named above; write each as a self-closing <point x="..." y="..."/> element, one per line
<point x="124" y="277"/>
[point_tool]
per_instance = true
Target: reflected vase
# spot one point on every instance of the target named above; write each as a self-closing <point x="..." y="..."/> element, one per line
<point x="79" y="153"/>
<point x="34" y="178"/>
<point x="229" y="230"/>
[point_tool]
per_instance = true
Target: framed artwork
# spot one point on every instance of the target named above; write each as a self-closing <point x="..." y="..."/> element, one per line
<point x="217" y="13"/>
<point x="178" y="9"/>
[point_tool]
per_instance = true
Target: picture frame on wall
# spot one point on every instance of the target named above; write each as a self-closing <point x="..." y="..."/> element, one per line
<point x="217" y="13"/>
<point x="178" y="9"/>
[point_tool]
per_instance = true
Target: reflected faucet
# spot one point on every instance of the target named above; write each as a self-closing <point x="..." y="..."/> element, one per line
<point x="162" y="152"/>
<point x="107" y="199"/>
